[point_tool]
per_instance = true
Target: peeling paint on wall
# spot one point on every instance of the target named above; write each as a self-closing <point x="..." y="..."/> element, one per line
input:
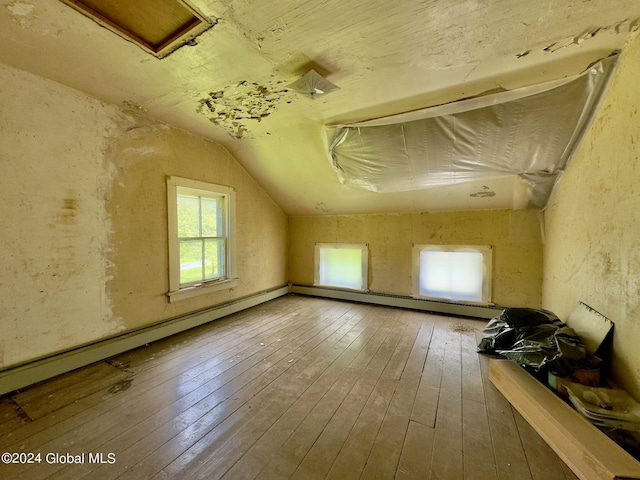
<point x="19" y="9"/>
<point x="483" y="193"/>
<point x="235" y="105"/>
<point x="22" y="12"/>
<point x="591" y="255"/>
<point x="56" y="229"/>
<point x="627" y="25"/>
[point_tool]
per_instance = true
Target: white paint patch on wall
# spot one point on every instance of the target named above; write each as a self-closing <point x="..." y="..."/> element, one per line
<point x="55" y="228"/>
<point x="21" y="9"/>
<point x="22" y="13"/>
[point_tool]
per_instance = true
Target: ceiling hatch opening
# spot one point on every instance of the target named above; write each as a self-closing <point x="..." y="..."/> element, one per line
<point x="158" y="26"/>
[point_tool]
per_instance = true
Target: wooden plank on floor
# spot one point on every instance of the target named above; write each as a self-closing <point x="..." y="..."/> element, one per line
<point x="321" y="447"/>
<point x="302" y="442"/>
<point x="509" y="455"/>
<point x="202" y="399"/>
<point x="426" y="403"/>
<point x="543" y="462"/>
<point x="296" y="388"/>
<point x="205" y="412"/>
<point x="83" y="410"/>
<point x="387" y="448"/>
<point x="588" y="451"/>
<point x="193" y="445"/>
<point x="48" y="397"/>
<point x="447" y="460"/>
<point x="355" y="451"/>
<point x="476" y="439"/>
<point x="415" y="460"/>
<point x="162" y="388"/>
<point x="308" y="401"/>
<point x="11" y="416"/>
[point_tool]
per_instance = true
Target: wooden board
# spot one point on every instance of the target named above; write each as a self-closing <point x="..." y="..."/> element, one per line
<point x="585" y="449"/>
<point x="591" y="326"/>
<point x="158" y="26"/>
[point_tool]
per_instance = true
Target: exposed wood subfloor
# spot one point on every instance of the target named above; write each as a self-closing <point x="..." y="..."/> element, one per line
<point x="300" y="388"/>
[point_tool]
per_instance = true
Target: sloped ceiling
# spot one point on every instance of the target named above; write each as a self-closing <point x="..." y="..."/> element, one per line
<point x="386" y="57"/>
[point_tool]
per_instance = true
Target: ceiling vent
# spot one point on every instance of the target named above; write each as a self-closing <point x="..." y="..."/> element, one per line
<point x="158" y="26"/>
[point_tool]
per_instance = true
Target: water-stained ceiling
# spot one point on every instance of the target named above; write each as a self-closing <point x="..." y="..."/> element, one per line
<point x="229" y="83"/>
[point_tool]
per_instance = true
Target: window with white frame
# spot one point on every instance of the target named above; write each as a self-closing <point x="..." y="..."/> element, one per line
<point x="201" y="237"/>
<point x="455" y="273"/>
<point x="342" y="265"/>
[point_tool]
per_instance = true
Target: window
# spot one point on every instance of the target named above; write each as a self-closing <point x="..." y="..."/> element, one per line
<point x="342" y="265"/>
<point x="452" y="273"/>
<point x="201" y="239"/>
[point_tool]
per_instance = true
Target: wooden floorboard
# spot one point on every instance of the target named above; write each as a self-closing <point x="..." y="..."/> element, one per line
<point x="296" y="388"/>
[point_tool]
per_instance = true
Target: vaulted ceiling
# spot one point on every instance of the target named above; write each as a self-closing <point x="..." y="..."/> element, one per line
<point x="229" y="83"/>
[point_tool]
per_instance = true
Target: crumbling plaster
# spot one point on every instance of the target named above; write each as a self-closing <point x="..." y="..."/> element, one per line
<point x="592" y="246"/>
<point x="386" y="58"/>
<point x="83" y="215"/>
<point x="55" y="227"/>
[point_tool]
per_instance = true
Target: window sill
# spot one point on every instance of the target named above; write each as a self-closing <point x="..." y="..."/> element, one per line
<point x="481" y="303"/>
<point x="201" y="290"/>
<point x="340" y="287"/>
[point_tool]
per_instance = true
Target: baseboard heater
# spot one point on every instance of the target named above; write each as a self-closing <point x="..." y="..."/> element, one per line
<point x="478" y="311"/>
<point x="35" y="371"/>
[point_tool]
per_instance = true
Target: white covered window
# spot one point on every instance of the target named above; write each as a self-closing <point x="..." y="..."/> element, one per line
<point x="201" y="237"/>
<point x="455" y="273"/>
<point x="342" y="265"/>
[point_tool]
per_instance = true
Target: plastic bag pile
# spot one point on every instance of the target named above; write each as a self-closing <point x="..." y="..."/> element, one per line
<point x="535" y="339"/>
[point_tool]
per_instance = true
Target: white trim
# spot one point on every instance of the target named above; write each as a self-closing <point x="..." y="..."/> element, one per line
<point x="487" y="266"/>
<point x="399" y="301"/>
<point x="202" y="289"/>
<point x="199" y="188"/>
<point x="20" y="376"/>
<point x="364" y="265"/>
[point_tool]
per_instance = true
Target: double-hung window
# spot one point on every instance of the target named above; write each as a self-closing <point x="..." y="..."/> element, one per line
<point x="201" y="237"/>
<point x="454" y="273"/>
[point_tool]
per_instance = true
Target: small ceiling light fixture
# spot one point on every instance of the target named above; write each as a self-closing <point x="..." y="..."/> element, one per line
<point x="312" y="83"/>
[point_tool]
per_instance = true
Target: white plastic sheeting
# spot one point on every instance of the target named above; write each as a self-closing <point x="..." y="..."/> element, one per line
<point x="530" y="133"/>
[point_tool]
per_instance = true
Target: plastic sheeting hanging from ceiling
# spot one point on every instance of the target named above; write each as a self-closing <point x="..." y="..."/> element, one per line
<point x="530" y="132"/>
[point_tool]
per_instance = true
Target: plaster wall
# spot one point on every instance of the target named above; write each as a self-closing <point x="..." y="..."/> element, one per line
<point x="514" y="235"/>
<point x="143" y="158"/>
<point x="592" y="225"/>
<point x="83" y="249"/>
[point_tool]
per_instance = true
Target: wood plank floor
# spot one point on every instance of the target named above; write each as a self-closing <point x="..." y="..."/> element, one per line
<point x="299" y="388"/>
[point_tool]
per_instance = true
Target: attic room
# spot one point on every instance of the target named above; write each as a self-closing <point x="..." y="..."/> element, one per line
<point x="102" y="132"/>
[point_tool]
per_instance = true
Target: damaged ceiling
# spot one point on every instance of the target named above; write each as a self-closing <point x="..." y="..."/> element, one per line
<point x="529" y="132"/>
<point x="229" y="83"/>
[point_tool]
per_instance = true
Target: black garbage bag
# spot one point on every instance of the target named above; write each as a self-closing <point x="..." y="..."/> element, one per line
<point x="535" y="339"/>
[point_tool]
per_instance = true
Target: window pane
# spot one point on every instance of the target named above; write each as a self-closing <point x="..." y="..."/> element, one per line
<point x="190" y="261"/>
<point x="188" y="216"/>
<point x="341" y="267"/>
<point x="214" y="258"/>
<point x="211" y="217"/>
<point x="451" y="275"/>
